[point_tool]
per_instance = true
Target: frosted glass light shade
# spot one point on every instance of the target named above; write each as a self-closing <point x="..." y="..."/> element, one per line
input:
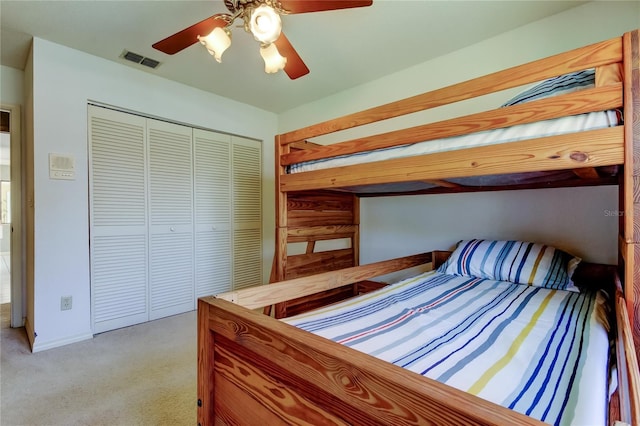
<point x="217" y="42"/>
<point x="265" y="24"/>
<point x="273" y="61"/>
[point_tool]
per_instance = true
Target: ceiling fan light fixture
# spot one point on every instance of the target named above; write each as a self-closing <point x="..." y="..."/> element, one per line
<point x="265" y="24"/>
<point x="217" y="42"/>
<point x="273" y="61"/>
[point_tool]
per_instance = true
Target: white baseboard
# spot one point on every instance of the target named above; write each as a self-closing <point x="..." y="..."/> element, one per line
<point x="38" y="346"/>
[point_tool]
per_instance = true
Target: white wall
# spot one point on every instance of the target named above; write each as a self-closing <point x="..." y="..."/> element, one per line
<point x="543" y="215"/>
<point x="575" y="219"/>
<point x="11" y="86"/>
<point x="64" y="80"/>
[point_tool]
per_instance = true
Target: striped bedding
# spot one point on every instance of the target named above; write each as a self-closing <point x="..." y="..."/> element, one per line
<point x="539" y="351"/>
<point x="563" y="125"/>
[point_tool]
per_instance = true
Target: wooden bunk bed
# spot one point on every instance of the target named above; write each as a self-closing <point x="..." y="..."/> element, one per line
<point x="255" y="369"/>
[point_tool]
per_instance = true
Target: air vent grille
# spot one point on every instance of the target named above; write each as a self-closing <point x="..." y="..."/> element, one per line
<point x="148" y="62"/>
<point x="139" y="59"/>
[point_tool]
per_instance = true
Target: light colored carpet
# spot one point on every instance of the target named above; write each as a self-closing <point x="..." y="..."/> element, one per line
<point x="140" y="375"/>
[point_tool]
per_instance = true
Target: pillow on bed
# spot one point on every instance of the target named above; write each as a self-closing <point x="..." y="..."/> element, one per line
<point x="566" y="83"/>
<point x="515" y="261"/>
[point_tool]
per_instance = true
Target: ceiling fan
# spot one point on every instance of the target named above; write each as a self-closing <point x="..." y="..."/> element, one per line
<point x="262" y="19"/>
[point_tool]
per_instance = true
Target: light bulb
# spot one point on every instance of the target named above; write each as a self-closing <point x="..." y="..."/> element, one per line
<point x="265" y="24"/>
<point x="273" y="61"/>
<point x="217" y="42"/>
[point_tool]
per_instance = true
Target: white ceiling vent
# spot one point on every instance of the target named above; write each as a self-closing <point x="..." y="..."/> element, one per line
<point x="139" y="59"/>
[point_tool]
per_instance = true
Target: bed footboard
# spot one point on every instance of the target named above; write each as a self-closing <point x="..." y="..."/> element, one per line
<point x="254" y="369"/>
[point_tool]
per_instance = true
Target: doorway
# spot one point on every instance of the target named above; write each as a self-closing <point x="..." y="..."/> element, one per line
<point x="5" y="217"/>
<point x="11" y="288"/>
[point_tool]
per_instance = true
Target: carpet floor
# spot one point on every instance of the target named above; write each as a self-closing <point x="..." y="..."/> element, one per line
<point x="139" y="375"/>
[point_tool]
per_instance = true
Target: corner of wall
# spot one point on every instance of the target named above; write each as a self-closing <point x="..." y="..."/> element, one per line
<point x="28" y="196"/>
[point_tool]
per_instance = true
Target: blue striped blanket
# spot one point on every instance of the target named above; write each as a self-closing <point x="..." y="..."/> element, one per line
<point x="539" y="351"/>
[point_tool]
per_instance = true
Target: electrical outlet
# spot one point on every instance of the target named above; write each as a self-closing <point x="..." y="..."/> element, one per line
<point x="65" y="303"/>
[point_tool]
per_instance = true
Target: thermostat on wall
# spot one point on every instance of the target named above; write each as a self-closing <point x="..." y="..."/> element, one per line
<point x="62" y="166"/>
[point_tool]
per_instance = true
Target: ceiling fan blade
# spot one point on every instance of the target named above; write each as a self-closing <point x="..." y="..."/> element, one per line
<point x="305" y="6"/>
<point x="185" y="38"/>
<point x="295" y="67"/>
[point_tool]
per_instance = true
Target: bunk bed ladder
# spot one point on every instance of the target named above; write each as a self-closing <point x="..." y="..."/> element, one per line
<point x="321" y="234"/>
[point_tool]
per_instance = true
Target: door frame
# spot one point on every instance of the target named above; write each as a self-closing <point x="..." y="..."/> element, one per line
<point x="17" y="236"/>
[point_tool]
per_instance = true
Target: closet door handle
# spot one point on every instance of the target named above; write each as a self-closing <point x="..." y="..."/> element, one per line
<point x="172" y="229"/>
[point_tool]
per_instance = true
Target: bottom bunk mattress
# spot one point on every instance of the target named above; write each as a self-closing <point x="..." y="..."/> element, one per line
<point x="541" y="352"/>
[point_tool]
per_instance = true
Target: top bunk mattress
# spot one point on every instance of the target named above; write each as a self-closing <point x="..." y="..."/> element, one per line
<point x="545" y="128"/>
<point x="539" y="351"/>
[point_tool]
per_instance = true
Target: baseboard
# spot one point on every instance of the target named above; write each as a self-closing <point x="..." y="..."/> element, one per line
<point x="42" y="346"/>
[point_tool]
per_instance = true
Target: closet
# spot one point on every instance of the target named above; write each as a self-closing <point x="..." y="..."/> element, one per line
<point x="175" y="214"/>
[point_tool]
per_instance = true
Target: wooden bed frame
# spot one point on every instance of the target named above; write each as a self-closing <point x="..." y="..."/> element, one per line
<point x="255" y="369"/>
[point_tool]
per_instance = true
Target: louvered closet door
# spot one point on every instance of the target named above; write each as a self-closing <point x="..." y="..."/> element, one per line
<point x="212" y="193"/>
<point x="171" y="283"/>
<point x="247" y="212"/>
<point x="118" y="219"/>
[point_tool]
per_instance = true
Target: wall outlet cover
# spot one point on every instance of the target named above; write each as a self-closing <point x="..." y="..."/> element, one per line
<point x="66" y="303"/>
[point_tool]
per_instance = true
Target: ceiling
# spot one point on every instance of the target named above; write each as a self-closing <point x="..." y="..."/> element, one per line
<point x="343" y="48"/>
